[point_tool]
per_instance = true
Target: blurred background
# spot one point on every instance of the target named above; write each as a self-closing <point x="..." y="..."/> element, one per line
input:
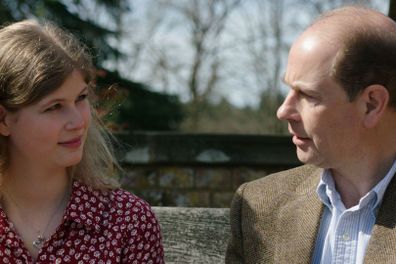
<point x="186" y="65"/>
<point x="190" y="87"/>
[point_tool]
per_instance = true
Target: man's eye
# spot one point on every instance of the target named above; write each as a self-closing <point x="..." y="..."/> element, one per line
<point x="307" y="96"/>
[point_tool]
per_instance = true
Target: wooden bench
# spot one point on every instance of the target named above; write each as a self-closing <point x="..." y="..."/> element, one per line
<point x="194" y="235"/>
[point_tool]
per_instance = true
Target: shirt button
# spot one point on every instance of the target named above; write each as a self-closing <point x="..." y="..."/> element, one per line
<point x="58" y="261"/>
<point x="346" y="237"/>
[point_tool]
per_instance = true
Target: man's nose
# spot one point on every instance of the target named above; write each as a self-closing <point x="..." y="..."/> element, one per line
<point x="288" y="109"/>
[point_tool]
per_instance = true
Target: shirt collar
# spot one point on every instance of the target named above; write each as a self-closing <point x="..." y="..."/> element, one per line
<point x="88" y="207"/>
<point x="380" y="188"/>
<point x="329" y="195"/>
<point x="326" y="189"/>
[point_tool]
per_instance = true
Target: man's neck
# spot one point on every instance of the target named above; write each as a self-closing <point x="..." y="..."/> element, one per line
<point x="356" y="182"/>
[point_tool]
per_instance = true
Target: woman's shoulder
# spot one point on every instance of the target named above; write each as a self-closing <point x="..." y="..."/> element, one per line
<point x="122" y="199"/>
<point x="127" y="219"/>
<point x="117" y="202"/>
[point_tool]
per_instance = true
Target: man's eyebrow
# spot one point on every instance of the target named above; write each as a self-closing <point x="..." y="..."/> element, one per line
<point x="299" y="86"/>
<point x="283" y="79"/>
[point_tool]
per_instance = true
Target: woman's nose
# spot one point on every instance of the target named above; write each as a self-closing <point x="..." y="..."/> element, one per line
<point x="76" y="120"/>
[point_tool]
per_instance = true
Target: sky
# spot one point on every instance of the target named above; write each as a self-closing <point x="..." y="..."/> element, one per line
<point x="169" y="43"/>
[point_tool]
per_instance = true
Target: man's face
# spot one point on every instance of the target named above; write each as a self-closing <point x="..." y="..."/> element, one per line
<point x="322" y="121"/>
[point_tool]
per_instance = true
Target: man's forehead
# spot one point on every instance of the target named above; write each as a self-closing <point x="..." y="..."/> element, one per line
<point x="309" y="44"/>
<point x="325" y="34"/>
<point x="313" y="48"/>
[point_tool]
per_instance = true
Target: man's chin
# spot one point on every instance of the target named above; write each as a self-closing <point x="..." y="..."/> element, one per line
<point x="308" y="157"/>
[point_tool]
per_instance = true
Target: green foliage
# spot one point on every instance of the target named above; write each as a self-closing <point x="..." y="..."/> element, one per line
<point x="223" y="117"/>
<point x="392" y="9"/>
<point x="91" y="33"/>
<point x="126" y="105"/>
<point x="133" y="107"/>
<point x="269" y="104"/>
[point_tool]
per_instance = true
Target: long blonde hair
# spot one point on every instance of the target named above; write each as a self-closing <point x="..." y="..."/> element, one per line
<point x="35" y="59"/>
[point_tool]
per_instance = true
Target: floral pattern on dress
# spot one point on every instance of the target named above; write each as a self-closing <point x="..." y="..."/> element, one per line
<point x="98" y="227"/>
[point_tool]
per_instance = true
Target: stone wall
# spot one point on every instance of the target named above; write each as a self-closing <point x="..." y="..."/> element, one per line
<point x="199" y="170"/>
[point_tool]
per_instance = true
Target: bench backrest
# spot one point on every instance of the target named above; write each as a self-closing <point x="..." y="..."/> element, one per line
<point x="194" y="235"/>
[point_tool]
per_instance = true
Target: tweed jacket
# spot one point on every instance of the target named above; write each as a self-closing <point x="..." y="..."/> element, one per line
<point x="275" y="219"/>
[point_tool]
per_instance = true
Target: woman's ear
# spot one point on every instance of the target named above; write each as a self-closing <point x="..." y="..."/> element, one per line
<point x="375" y="98"/>
<point x="4" y="130"/>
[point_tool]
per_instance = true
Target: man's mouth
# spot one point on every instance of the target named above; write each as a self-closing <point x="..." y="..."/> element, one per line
<point x="299" y="140"/>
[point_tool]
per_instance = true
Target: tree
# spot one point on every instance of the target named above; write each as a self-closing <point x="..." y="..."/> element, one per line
<point x="134" y="107"/>
<point x="199" y="71"/>
<point x="98" y="24"/>
<point x="263" y="44"/>
<point x="95" y="35"/>
<point x="207" y="50"/>
<point x="392" y="9"/>
<point x="320" y="6"/>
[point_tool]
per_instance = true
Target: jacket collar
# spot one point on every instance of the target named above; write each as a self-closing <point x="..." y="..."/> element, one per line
<point x="300" y="216"/>
<point x="305" y="209"/>
<point x="382" y="245"/>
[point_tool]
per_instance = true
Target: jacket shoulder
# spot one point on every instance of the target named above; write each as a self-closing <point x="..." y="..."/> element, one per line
<point x="284" y="179"/>
<point x="257" y="209"/>
<point x="280" y="186"/>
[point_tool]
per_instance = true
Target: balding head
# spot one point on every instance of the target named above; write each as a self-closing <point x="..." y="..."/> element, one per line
<point x="342" y="75"/>
<point x="352" y="18"/>
<point x="365" y="43"/>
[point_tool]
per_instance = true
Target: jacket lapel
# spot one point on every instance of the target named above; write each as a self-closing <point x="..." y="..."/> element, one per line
<point x="382" y="245"/>
<point x="299" y="221"/>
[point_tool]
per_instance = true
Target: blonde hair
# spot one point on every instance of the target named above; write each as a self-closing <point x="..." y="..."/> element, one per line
<point x="35" y="59"/>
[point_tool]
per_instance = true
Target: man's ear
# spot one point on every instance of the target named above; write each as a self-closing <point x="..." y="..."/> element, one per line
<point x="4" y="130"/>
<point x="375" y="98"/>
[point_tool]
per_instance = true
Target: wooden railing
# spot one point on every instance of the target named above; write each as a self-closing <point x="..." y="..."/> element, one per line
<point x="194" y="235"/>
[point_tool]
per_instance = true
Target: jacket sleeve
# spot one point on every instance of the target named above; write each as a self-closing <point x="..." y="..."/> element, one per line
<point x="234" y="253"/>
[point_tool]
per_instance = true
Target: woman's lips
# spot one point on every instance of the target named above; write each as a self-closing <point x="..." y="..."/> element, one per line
<point x="74" y="143"/>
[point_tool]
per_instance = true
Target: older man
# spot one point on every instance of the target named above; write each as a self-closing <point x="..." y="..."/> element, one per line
<point x="341" y="111"/>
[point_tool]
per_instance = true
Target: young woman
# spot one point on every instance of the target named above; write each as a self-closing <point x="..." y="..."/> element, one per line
<point x="59" y="203"/>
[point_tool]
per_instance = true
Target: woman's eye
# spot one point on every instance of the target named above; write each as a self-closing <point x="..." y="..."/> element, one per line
<point x="53" y="107"/>
<point x="82" y="97"/>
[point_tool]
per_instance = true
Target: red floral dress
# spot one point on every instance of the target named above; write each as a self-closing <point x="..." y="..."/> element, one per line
<point x="100" y="227"/>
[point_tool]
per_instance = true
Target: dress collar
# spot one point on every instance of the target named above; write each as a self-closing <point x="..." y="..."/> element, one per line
<point x="88" y="207"/>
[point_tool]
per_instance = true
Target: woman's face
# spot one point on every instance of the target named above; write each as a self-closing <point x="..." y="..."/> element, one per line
<point x="51" y="132"/>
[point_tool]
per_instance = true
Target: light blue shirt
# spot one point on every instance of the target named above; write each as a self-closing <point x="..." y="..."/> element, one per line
<point x="344" y="233"/>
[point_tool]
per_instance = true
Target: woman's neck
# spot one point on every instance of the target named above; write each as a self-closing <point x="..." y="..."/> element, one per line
<point x="36" y="189"/>
<point x="35" y="202"/>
